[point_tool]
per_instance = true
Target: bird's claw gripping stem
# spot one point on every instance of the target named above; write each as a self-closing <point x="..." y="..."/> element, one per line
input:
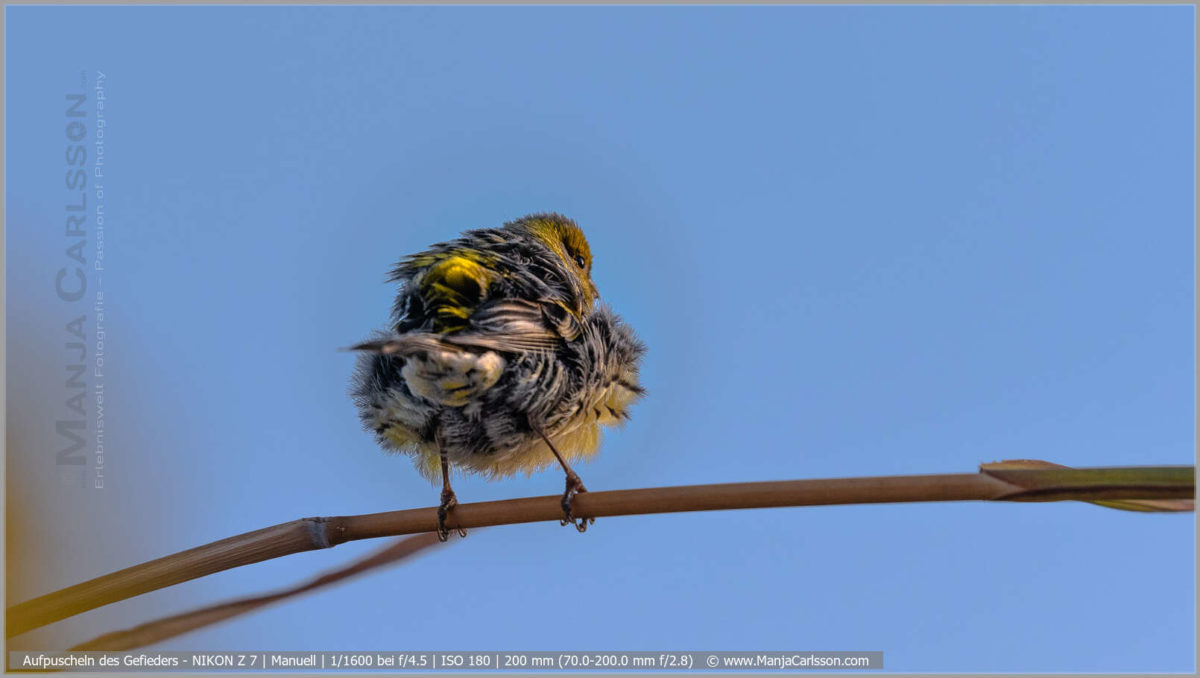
<point x="574" y="487"/>
<point x="449" y="501"/>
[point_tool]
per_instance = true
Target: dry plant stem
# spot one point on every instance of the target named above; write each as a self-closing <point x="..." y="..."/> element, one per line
<point x="317" y="533"/>
<point x="162" y="629"/>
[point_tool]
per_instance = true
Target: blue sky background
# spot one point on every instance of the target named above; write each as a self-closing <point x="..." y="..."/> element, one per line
<point x="858" y="241"/>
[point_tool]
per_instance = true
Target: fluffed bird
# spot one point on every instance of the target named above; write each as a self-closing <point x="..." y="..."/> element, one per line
<point x="500" y="358"/>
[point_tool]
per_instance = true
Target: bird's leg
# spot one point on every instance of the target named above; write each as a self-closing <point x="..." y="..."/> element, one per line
<point x="449" y="501"/>
<point x="574" y="487"/>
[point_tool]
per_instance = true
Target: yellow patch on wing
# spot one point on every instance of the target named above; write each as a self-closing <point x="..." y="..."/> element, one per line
<point x="428" y="259"/>
<point x="453" y="287"/>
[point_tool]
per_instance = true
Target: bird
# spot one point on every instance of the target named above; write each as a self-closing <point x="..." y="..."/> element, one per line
<point x="500" y="358"/>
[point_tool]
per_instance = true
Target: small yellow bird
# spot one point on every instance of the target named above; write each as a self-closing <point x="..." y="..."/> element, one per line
<point x="500" y="358"/>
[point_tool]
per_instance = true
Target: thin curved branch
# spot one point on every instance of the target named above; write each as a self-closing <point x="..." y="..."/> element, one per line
<point x="995" y="482"/>
<point x="162" y="629"/>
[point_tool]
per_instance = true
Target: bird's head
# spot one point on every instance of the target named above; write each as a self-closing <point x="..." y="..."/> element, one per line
<point x="566" y="240"/>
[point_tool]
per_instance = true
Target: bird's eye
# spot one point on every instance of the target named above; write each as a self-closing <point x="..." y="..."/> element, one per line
<point x="580" y="261"/>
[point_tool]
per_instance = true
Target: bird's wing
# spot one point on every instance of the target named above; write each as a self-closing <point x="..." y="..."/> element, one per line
<point x="508" y="325"/>
<point x="509" y="331"/>
<point x="504" y="325"/>
<point x="459" y="297"/>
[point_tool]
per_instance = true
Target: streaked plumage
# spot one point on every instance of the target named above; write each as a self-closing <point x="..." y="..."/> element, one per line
<point x="497" y="335"/>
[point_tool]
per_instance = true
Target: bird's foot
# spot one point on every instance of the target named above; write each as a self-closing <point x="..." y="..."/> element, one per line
<point x="574" y="487"/>
<point x="449" y="501"/>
